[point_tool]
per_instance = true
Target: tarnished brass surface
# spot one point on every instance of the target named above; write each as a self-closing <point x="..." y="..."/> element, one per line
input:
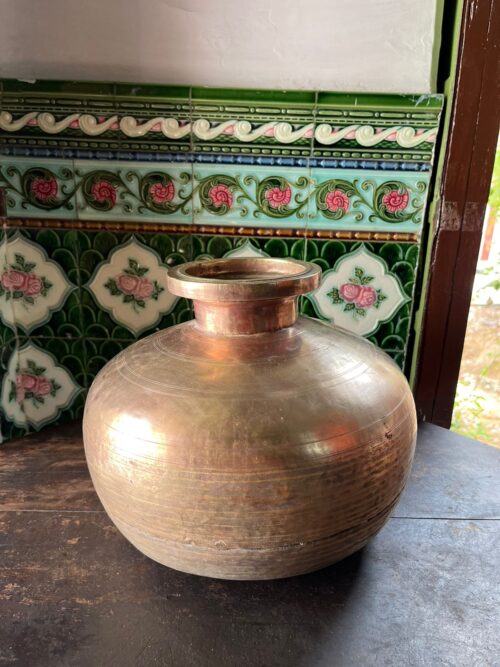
<point x="247" y="444"/>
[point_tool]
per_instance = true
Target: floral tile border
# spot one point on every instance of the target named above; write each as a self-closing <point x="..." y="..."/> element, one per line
<point x="356" y="200"/>
<point x="251" y="196"/>
<point x="121" y="191"/>
<point x="248" y="196"/>
<point x="46" y="187"/>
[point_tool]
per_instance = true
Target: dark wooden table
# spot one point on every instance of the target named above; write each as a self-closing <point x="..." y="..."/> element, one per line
<point x="426" y="591"/>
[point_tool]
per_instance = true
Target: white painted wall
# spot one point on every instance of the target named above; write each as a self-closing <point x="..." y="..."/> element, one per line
<point x="352" y="45"/>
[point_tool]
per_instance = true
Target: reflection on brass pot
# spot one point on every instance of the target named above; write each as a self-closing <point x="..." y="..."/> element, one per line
<point x="247" y="443"/>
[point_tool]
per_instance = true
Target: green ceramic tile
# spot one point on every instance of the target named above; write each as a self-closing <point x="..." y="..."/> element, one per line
<point x="252" y="122"/>
<point x="124" y="283"/>
<point x="7" y="333"/>
<point x="69" y="352"/>
<point x="250" y="196"/>
<point x="9" y="431"/>
<point x="122" y="190"/>
<point x="153" y="118"/>
<point x="53" y="88"/>
<point x="381" y="127"/>
<point x="38" y="188"/>
<point x="364" y="200"/>
<point x="151" y="92"/>
<point x="8" y="330"/>
<point x="403" y="102"/>
<point x="215" y="247"/>
<point x="386" y="273"/>
<point x="53" y="257"/>
<point x="100" y="350"/>
<point x="236" y="96"/>
<point x="38" y="383"/>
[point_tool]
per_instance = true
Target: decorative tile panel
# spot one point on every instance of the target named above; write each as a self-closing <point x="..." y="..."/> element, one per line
<point x="402" y="127"/>
<point x="132" y="286"/>
<point x="107" y="185"/>
<point x="36" y="388"/>
<point x="31" y="285"/>
<point x="362" y="200"/>
<point x="359" y="292"/>
<point x="251" y="196"/>
<point x="128" y="192"/>
<point x="44" y="188"/>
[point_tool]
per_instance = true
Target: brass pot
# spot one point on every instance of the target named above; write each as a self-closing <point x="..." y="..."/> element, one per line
<point x="247" y="443"/>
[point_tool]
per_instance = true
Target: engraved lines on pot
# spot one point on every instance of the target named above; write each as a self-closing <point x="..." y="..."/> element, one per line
<point x="365" y="506"/>
<point x="134" y="375"/>
<point x="324" y="450"/>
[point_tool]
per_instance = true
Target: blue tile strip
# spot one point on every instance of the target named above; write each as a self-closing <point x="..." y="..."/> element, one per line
<point x="139" y="156"/>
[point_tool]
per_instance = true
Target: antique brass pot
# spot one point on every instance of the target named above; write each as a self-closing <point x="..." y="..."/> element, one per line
<point x="247" y="443"/>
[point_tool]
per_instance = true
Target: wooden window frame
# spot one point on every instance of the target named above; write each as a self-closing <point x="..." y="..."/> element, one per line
<point x="463" y="195"/>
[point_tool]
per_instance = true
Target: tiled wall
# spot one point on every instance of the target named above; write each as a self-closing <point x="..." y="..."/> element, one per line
<point x="105" y="186"/>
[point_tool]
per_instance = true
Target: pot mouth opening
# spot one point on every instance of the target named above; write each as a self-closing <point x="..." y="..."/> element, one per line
<point x="243" y="278"/>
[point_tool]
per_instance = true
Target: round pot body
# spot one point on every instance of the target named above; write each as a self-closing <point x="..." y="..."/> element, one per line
<point x="247" y="443"/>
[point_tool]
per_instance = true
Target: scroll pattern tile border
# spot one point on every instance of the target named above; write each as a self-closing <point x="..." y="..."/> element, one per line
<point x="233" y="129"/>
<point x="249" y="122"/>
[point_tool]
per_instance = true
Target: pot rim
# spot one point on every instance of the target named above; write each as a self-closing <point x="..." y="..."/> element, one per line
<point x="243" y="279"/>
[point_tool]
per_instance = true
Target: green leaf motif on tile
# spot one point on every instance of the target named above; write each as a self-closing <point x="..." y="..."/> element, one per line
<point x="32" y="384"/>
<point x="356" y="295"/>
<point x="157" y="192"/>
<point x="112" y="287"/>
<point x="100" y="190"/>
<point x="392" y="202"/>
<point x="19" y="282"/>
<point x="43" y="189"/>
<point x="335" y="198"/>
<point x="132" y="285"/>
<point x="360" y="278"/>
<point x="335" y="296"/>
<point x="217" y="193"/>
<point x="274" y="194"/>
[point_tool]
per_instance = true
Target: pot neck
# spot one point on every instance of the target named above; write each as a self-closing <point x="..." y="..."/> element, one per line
<point x="245" y="317"/>
<point x="244" y="296"/>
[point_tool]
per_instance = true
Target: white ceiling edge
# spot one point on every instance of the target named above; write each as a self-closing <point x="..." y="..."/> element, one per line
<point x="353" y="45"/>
